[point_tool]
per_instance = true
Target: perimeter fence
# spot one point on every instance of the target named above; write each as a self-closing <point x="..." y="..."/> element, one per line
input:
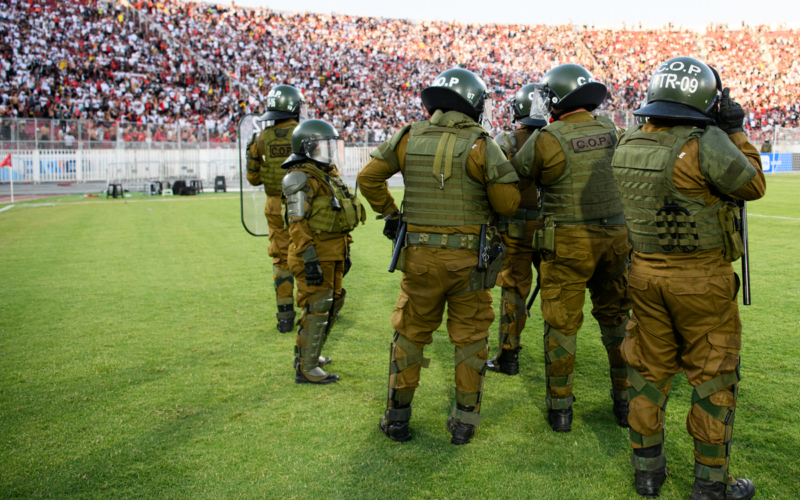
<point x="135" y="154"/>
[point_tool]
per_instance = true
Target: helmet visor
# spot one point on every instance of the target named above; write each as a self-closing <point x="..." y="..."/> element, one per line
<point x="540" y="103"/>
<point x="261" y="122"/>
<point x="326" y="150"/>
<point x="487" y="115"/>
<point x="303" y="113"/>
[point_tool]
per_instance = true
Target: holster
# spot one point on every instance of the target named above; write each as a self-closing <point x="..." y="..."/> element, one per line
<point x="486" y="279"/>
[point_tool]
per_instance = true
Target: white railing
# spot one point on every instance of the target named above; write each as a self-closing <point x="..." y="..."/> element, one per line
<point x="140" y="165"/>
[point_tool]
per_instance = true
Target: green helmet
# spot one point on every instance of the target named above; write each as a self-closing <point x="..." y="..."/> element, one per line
<point x="283" y="101"/>
<point x="682" y="88"/>
<point x="318" y="141"/>
<point x="456" y="90"/>
<point x="571" y="86"/>
<point x="521" y="106"/>
<point x="641" y="120"/>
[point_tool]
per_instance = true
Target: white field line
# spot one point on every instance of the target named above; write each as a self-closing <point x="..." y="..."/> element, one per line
<point x="155" y="200"/>
<point x="180" y="198"/>
<point x="771" y="216"/>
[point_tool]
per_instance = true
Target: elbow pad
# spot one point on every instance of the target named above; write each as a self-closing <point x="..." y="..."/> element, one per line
<point x="298" y="204"/>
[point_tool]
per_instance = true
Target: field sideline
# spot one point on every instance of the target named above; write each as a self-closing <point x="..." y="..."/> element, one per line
<point x="140" y="359"/>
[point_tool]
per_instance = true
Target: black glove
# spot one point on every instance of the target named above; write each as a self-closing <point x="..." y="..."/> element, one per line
<point x="313" y="273"/>
<point x="347" y="262"/>
<point x="390" y="228"/>
<point x="731" y="115"/>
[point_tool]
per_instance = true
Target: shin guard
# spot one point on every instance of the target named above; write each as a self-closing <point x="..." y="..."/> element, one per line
<point x="566" y="345"/>
<point x="313" y="327"/>
<point x="468" y="406"/>
<point x="398" y="403"/>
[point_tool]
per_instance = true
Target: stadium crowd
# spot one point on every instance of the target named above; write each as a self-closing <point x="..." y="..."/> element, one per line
<point x="76" y="60"/>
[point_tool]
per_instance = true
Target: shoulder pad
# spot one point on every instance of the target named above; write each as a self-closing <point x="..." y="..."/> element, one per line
<point x="523" y="160"/>
<point x="722" y="163"/>
<point x="507" y="142"/>
<point x="386" y="150"/>
<point x="604" y="119"/>
<point x="498" y="169"/>
<point x="293" y="181"/>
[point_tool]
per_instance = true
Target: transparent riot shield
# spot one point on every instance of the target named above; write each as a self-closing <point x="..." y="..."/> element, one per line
<point x="253" y="198"/>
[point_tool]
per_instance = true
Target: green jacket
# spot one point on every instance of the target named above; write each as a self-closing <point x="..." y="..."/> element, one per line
<point x="438" y="191"/>
<point x="585" y="192"/>
<point x="324" y="217"/>
<point x="660" y="218"/>
<point x="271" y="149"/>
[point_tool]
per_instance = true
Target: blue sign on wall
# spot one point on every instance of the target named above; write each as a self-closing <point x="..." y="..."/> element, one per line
<point x="776" y="162"/>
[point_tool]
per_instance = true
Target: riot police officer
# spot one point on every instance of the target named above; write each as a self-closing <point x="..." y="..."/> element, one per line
<point x="583" y="240"/>
<point x="455" y="178"/>
<point x="320" y="213"/>
<point x="678" y="175"/>
<point x="517" y="232"/>
<point x="265" y="154"/>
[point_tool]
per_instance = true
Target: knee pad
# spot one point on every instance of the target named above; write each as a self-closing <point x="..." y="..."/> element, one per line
<point x="282" y="276"/>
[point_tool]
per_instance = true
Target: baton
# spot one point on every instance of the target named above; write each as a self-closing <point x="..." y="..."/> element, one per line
<point x="534" y="294"/>
<point x="745" y="254"/>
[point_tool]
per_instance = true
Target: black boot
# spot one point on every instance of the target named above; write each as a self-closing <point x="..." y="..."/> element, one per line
<point x="560" y="420"/>
<point x="743" y="489"/>
<point x="399" y="432"/>
<point x="621" y="410"/>
<point x="462" y="433"/>
<point x="506" y="362"/>
<point x="300" y="378"/>
<point x="285" y="325"/>
<point x="648" y="482"/>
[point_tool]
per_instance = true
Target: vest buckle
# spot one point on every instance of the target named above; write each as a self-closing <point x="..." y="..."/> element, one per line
<point x="423" y="238"/>
<point x="463" y="241"/>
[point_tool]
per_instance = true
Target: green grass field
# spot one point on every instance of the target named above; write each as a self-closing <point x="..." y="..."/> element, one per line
<point x="139" y="359"/>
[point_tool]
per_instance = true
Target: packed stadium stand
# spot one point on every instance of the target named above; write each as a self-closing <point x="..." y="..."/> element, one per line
<point x="199" y="66"/>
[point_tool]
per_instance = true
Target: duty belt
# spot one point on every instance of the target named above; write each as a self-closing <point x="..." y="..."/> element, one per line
<point x="438" y="240"/>
<point x="526" y="214"/>
<point x="617" y="220"/>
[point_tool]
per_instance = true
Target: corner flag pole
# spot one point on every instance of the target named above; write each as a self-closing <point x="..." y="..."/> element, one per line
<point x="7" y="163"/>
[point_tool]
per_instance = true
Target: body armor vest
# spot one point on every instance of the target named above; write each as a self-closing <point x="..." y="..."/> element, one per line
<point x="660" y="218"/>
<point x="337" y="212"/>
<point x="275" y="145"/>
<point x="586" y="191"/>
<point x="438" y="191"/>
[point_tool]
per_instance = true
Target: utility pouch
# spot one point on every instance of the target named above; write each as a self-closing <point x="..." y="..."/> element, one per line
<point x="731" y="223"/>
<point x="544" y="239"/>
<point x="514" y="226"/>
<point x="502" y="224"/>
<point x="516" y="229"/>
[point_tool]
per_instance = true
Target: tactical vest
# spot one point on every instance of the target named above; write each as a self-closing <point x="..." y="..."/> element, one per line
<point x="275" y="145"/>
<point x="586" y="191"/>
<point x="438" y="191"/>
<point x="338" y="212"/>
<point x="660" y="218"/>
